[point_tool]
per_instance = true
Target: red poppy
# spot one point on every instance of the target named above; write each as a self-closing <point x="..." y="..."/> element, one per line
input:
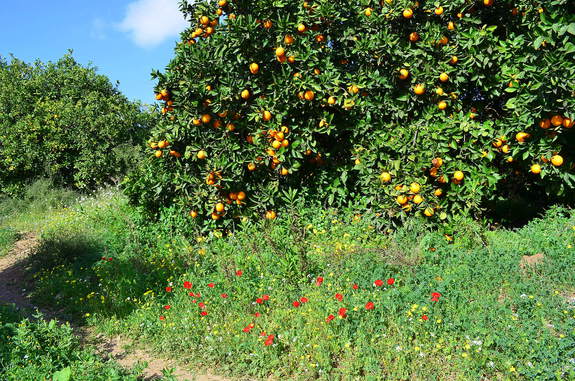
<point x="168" y="289"/>
<point x="329" y="318"/>
<point x="296" y="304"/>
<point x="191" y="294"/>
<point x="435" y="296"/>
<point x="211" y="285"/>
<point x="203" y="313"/>
<point x="425" y="317"/>
<point x="110" y="259"/>
<point x="259" y="300"/>
<point x="303" y="299"/>
<point x="249" y="327"/>
<point x="167" y="307"/>
<point x="342" y="312"/>
<point x="262" y="333"/>
<point x="390" y="281"/>
<point x="162" y="318"/>
<point x="198" y="295"/>
<point x="378" y="283"/>
<point x="257" y="314"/>
<point x="194" y="301"/>
<point x="103" y="258"/>
<point x="265" y="297"/>
<point x="355" y="286"/>
<point x="339" y="297"/>
<point x="224" y="296"/>
<point x="369" y="306"/>
<point x="187" y="285"/>
<point x="318" y="281"/>
<point x="269" y="341"/>
<point x="201" y="305"/>
<point x="239" y="273"/>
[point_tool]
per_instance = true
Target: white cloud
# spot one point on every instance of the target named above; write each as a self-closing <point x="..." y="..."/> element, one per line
<point x="151" y="22"/>
<point x="98" y="29"/>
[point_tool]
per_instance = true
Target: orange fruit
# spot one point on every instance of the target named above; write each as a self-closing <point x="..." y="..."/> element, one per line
<point x="320" y="38"/>
<point x="193" y="213"/>
<point x="291" y="59"/>
<point x="204" y="20"/>
<point x="215" y="216"/>
<point x="414" y="37"/>
<point x="557" y="160"/>
<point x="353" y="89"/>
<point x="158" y="154"/>
<point x="309" y="95"/>
<point x="202" y="155"/>
<point x="368" y="12"/>
<point x="245" y="94"/>
<point x="267" y="116"/>
<point x="268" y="24"/>
<point x="454" y="60"/>
<point x="437" y="162"/>
<point x="285" y="143"/>
<point x="254" y="68"/>
<point x="419" y="89"/>
<point x="162" y="144"/>
<point x="408" y="13"/>
<point x="284" y="172"/>
<point x="521" y="137"/>
<point x="401" y="200"/>
<point x="280" y="52"/>
<point x="301" y="28"/>
<point x="276" y="144"/>
<point x="415" y="188"/>
<point x="567" y="123"/>
<point x="165" y="93"/>
<point x="557" y="120"/>
<point x="403" y="74"/>
<point x="443" y="77"/>
<point x="442" y="105"/>
<point x="251" y="167"/>
<point x="439" y="10"/>
<point x="417" y="199"/>
<point x="220" y="207"/>
<point x="545" y="124"/>
<point x="505" y="148"/>
<point x="385" y="177"/>
<point x="331" y="100"/>
<point x="159" y="97"/>
<point x="451" y="25"/>
<point x="288" y="39"/>
<point x="535" y="169"/>
<point x="271" y="215"/>
<point x="458" y="175"/>
<point x="231" y="127"/>
<point x="488" y="3"/>
<point x="429" y="212"/>
<point x="439" y="91"/>
<point x="438" y="192"/>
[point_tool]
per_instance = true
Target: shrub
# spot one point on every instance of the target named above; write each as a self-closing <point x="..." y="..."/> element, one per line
<point x="402" y="107"/>
<point x="65" y="122"/>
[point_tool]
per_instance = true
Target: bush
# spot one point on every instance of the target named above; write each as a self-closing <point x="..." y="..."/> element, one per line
<point x="406" y="109"/>
<point x="64" y="122"/>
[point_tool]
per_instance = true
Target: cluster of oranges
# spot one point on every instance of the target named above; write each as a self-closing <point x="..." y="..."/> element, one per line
<point x="160" y="146"/>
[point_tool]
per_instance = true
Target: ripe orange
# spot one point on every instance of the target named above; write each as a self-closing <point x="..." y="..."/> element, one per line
<point x="280" y="52"/>
<point x="331" y="100"/>
<point x="408" y="13"/>
<point x="442" y="105"/>
<point x="415" y="188"/>
<point x="204" y="20"/>
<point x="401" y="200"/>
<point x="403" y="74"/>
<point x="245" y="94"/>
<point x="458" y="175"/>
<point x="288" y="39"/>
<point x="285" y="143"/>
<point x="276" y="144"/>
<point x="417" y="199"/>
<point x="193" y="213"/>
<point x="557" y="120"/>
<point x="159" y="97"/>
<point x="439" y="10"/>
<point x="220" y="207"/>
<point x="309" y="95"/>
<point x="231" y="127"/>
<point x="267" y="116"/>
<point x="545" y="124"/>
<point x="453" y="60"/>
<point x="451" y="25"/>
<point x="419" y="89"/>
<point x="271" y="215"/>
<point x="438" y="192"/>
<point x="165" y="93"/>
<point x="536" y="169"/>
<point x="222" y="3"/>
<point x="215" y="216"/>
<point x="284" y="172"/>
<point x="291" y="59"/>
<point x="567" y="123"/>
<point x="439" y="91"/>
<point x="488" y="3"/>
<point x="254" y="68"/>
<point x="251" y="167"/>
<point x="353" y="89"/>
<point x="443" y="77"/>
<point x="163" y="144"/>
<point x="368" y="12"/>
<point x="437" y="162"/>
<point x="158" y="154"/>
<point x="557" y="160"/>
<point x="301" y="28"/>
<point x="202" y="155"/>
<point x="385" y="177"/>
<point x="505" y="148"/>
<point x="429" y="212"/>
<point x="414" y="37"/>
<point x="268" y="24"/>
<point x="320" y="38"/>
<point x="521" y="137"/>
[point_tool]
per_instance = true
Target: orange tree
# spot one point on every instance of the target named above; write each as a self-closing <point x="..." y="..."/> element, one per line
<point x="401" y="107"/>
<point x="63" y="121"/>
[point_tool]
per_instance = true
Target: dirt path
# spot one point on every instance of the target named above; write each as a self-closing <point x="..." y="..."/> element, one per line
<point x="14" y="290"/>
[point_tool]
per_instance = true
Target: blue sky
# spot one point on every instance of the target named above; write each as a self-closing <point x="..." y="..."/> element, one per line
<point x="124" y="39"/>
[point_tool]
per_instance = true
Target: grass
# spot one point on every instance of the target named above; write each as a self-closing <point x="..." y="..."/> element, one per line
<point x="489" y="318"/>
<point x="7" y="238"/>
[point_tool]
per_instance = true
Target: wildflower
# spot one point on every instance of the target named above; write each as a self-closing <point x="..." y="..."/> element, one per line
<point x="266" y="297"/>
<point x="269" y="341"/>
<point x="435" y="296"/>
<point x="296" y="304"/>
<point x="110" y="259"/>
<point x="201" y="305"/>
<point x="262" y="333"/>
<point x="249" y="327"/>
<point x="303" y="299"/>
<point x="167" y="307"/>
<point x="329" y="318"/>
<point x="355" y="286"/>
<point x="391" y="281"/>
<point x="162" y="318"/>
<point x="257" y="314"/>
<point x="203" y="313"/>
<point x="211" y="285"/>
<point x="378" y="283"/>
<point x="369" y="306"/>
<point x="239" y="273"/>
<point x="342" y="312"/>
<point x="339" y="297"/>
<point x="224" y="296"/>
<point x="187" y="285"/>
<point x="259" y="301"/>
<point x="318" y="281"/>
<point x="168" y="289"/>
<point x="424" y="317"/>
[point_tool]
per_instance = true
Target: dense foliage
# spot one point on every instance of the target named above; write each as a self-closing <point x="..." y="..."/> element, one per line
<point x="65" y="122"/>
<point x="400" y="106"/>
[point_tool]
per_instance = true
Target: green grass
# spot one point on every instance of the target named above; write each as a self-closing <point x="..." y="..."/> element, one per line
<point x="7" y="238"/>
<point x="494" y="320"/>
